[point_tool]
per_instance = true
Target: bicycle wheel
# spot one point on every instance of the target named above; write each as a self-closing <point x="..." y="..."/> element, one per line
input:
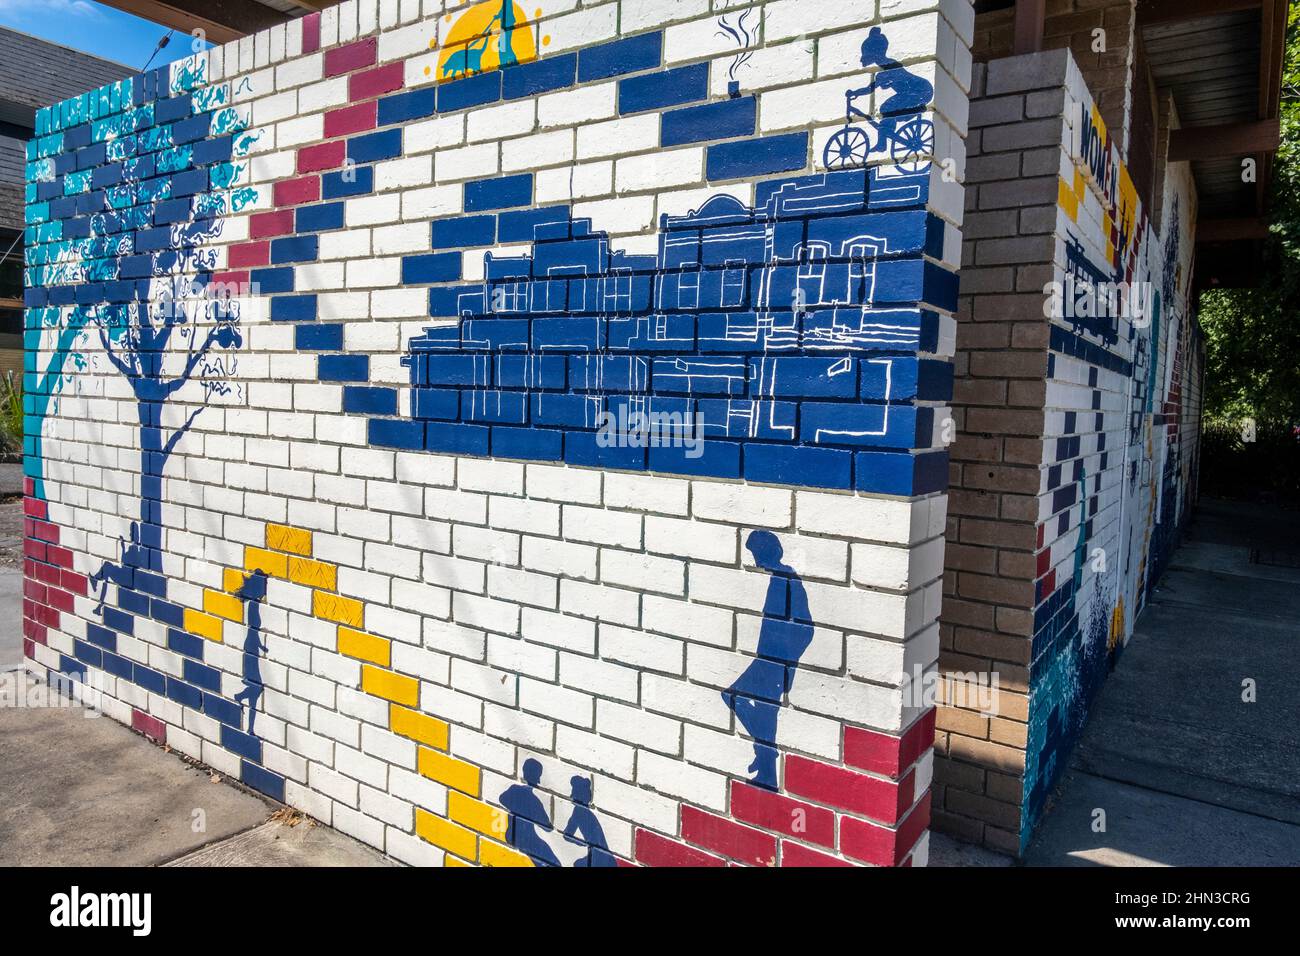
<point x="913" y="145"/>
<point x="849" y="147"/>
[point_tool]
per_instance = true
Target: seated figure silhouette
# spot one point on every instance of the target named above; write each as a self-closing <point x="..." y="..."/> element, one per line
<point x="911" y="93"/>
<point x="757" y="694"/>
<point x="252" y="592"/>
<point x="584" y="829"/>
<point x="526" y="815"/>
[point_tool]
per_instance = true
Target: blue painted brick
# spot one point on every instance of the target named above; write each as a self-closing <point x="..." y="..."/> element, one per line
<point x="236" y="741"/>
<point x="118" y="666"/>
<point x="319" y="218"/>
<point x="350" y="182"/>
<point x="440" y="403"/>
<point x="540" y="76"/>
<point x="393" y="433"/>
<point x="486" y="405"/>
<point x="185" y="694"/>
<point x="118" y="620"/>
<point x="631" y="55"/>
<point x="269" y="281"/>
<point x="183" y="643"/>
<point x="534" y="444"/>
<point x="437" y="267"/>
<point x="293" y="308"/>
<point x="213" y="150"/>
<point x="457" y="369"/>
<point x="167" y="613"/>
<point x="151" y="680"/>
<point x="724" y="120"/>
<point x="472" y="91"/>
<point x="294" y="249"/>
<point x="201" y="675"/>
<point x="222" y="710"/>
<point x="366" y="400"/>
<point x="133" y="602"/>
<point x="262" y="780"/>
<point x="582" y="448"/>
<point x="758" y="157"/>
<point x="720" y="459"/>
<point x="532" y="225"/>
<point x="344" y="368"/>
<point x="485" y="194"/>
<point x="319" y="338"/>
<point x="656" y="91"/>
<point x="886" y="473"/>
<point x="798" y="465"/>
<point x="464" y="231"/>
<point x="458" y="439"/>
<point x="404" y="107"/>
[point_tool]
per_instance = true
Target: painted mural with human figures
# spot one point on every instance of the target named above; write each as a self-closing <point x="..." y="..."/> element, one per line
<point x="1119" y="475"/>
<point x="512" y="436"/>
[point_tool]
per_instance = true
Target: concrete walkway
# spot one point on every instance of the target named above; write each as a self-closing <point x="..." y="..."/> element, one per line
<point x="1187" y="772"/>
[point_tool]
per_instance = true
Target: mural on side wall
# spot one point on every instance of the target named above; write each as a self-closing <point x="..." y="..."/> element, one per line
<point x="1106" y="523"/>
<point x="786" y="324"/>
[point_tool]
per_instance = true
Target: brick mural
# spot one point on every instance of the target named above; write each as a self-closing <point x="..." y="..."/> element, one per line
<point x="1078" y="406"/>
<point x="513" y="435"/>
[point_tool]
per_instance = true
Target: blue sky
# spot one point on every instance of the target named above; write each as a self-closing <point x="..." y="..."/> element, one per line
<point x="93" y="28"/>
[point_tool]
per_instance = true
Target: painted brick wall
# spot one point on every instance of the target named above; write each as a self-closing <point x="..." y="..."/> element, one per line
<point x="1076" y="464"/>
<point x="326" y="331"/>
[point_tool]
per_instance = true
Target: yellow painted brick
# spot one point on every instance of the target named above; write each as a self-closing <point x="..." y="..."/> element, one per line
<point x="494" y="854"/>
<point x="390" y="686"/>
<point x="223" y="605"/>
<point x="418" y="726"/>
<point x="314" y="574"/>
<point x="454" y="861"/>
<point x="232" y="579"/>
<point x="442" y="833"/>
<point x="340" y="610"/>
<point x="283" y="538"/>
<point x="259" y="559"/>
<point x="477" y="815"/>
<point x="365" y="646"/>
<point x="454" y="773"/>
<point x="204" y="625"/>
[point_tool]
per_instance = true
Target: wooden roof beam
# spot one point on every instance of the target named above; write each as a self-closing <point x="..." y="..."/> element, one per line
<point x="1171" y="11"/>
<point x="1225" y="139"/>
<point x="220" y="20"/>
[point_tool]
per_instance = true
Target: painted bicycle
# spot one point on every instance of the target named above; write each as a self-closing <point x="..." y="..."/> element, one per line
<point x="910" y="145"/>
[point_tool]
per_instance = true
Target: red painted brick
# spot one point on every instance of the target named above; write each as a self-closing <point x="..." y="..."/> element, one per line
<point x="354" y="56"/>
<point x="74" y="582"/>
<point x="47" y="573"/>
<point x="33" y="548"/>
<point x="29" y="648"/>
<point x="1043" y="562"/>
<point x="312" y="159"/>
<point x="61" y="599"/>
<point x="311" y="33"/>
<point x="292" y="192"/>
<point x="918" y="739"/>
<point x="854" y="792"/>
<point x="34" y="590"/>
<point x="278" y="222"/>
<point x="34" y="631"/>
<point x="728" y="838"/>
<point x="771" y="811"/>
<point x="882" y="846"/>
<point x="351" y="119"/>
<point x="149" y="726"/>
<point x="35" y="508"/>
<point x="60" y="556"/>
<point x="48" y="616"/>
<point x="234" y="282"/>
<point x="45" y="531"/>
<point x="249" y="254"/>
<point x="29" y="486"/>
<point x="874" y="751"/>
<point x="384" y="79"/>
<point x="792" y="854"/>
<point x="655" y="850"/>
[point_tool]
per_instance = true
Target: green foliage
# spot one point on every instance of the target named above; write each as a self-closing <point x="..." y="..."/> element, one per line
<point x="11" y="413"/>
<point x="1252" y="337"/>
